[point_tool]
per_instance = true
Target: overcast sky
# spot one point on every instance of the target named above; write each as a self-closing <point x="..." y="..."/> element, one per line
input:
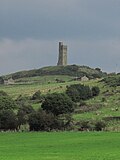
<point x="31" y="29"/>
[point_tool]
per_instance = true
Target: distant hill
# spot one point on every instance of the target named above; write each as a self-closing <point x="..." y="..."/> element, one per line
<point x="70" y="70"/>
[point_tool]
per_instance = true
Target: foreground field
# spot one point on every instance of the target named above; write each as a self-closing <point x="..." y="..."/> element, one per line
<point x="60" y="146"/>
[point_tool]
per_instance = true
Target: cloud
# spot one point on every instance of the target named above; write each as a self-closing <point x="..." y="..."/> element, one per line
<point x="26" y="54"/>
<point x="101" y="53"/>
<point x="33" y="53"/>
<point x="30" y="32"/>
<point x="55" y="19"/>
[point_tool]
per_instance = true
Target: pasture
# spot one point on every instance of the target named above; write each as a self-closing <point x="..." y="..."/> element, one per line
<point x="108" y="100"/>
<point x="28" y="86"/>
<point x="60" y="146"/>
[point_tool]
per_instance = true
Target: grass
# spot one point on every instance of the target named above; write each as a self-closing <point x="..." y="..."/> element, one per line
<point x="43" y="79"/>
<point x="108" y="106"/>
<point x="28" y="89"/>
<point x="60" y="146"/>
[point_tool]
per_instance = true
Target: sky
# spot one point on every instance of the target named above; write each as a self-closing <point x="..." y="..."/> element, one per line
<point x="30" y="31"/>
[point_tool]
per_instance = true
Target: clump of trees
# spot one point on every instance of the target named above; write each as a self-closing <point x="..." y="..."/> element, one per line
<point x="23" y="114"/>
<point x="70" y="70"/>
<point x="55" y="112"/>
<point x="58" y="103"/>
<point x="41" y="121"/>
<point x="8" y="118"/>
<point x="78" y="92"/>
<point x="112" y="81"/>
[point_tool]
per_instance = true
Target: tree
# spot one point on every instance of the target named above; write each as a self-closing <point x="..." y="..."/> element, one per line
<point x="78" y="92"/>
<point x="73" y="93"/>
<point x="41" y="121"/>
<point x="7" y="103"/>
<point x="8" y="120"/>
<point x="23" y="114"/>
<point x="58" y="103"/>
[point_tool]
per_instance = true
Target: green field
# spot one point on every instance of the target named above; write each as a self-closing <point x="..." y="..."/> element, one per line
<point x="60" y="146"/>
<point x="108" y="107"/>
<point x="42" y="83"/>
<point x="108" y="99"/>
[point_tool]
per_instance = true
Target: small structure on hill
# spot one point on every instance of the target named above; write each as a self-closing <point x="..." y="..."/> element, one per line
<point x="9" y="81"/>
<point x="84" y="78"/>
<point x="62" y="59"/>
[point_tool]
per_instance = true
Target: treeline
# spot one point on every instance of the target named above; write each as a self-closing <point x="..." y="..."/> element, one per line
<point x="55" y="112"/>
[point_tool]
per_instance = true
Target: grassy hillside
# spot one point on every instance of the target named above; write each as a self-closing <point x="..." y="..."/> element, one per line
<point x="28" y="86"/>
<point x="108" y="100"/>
<point x="60" y="146"/>
<point x="70" y="70"/>
<point x="107" y="104"/>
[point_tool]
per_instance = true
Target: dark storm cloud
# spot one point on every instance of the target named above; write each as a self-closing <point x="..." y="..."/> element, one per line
<point x="58" y="19"/>
<point x="30" y="31"/>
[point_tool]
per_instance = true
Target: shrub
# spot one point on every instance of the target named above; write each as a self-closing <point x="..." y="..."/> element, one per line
<point x="78" y="92"/>
<point x="22" y="100"/>
<point x="36" y="95"/>
<point x="23" y="114"/>
<point x="8" y="120"/>
<point x="58" y="103"/>
<point x="73" y="93"/>
<point x="95" y="91"/>
<point x="100" y="125"/>
<point x="7" y="103"/>
<point x="41" y="121"/>
<point x="85" y="125"/>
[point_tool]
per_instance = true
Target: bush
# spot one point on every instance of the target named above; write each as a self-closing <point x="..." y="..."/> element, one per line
<point x="8" y="120"/>
<point x="36" y="95"/>
<point x="95" y="91"/>
<point x="58" y="103"/>
<point x="73" y="93"/>
<point x="85" y="125"/>
<point x="7" y="103"/>
<point x="100" y="125"/>
<point x="41" y="121"/>
<point x="22" y="100"/>
<point x="23" y="114"/>
<point x="78" y="92"/>
<point x="112" y="81"/>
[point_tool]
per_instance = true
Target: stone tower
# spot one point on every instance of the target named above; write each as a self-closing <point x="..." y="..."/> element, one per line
<point x="62" y="60"/>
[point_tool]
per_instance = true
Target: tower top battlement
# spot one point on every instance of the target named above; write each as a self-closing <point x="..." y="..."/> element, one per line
<point x="62" y="59"/>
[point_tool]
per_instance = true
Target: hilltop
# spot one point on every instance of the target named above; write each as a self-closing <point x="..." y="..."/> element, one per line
<point x="103" y="107"/>
<point x="69" y="70"/>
